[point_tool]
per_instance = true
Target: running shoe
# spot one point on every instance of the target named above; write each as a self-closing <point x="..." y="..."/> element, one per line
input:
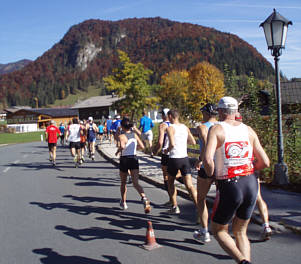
<point x="123" y="205"/>
<point x="53" y="163"/>
<point x="93" y="157"/>
<point x="146" y="204"/>
<point x="75" y="158"/>
<point x="266" y="233"/>
<point x="202" y="237"/>
<point x="174" y="210"/>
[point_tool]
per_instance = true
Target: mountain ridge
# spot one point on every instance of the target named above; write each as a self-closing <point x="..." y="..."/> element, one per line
<point x="88" y="52"/>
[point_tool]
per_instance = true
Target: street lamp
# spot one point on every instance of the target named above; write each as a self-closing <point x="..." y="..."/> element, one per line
<point x="275" y="30"/>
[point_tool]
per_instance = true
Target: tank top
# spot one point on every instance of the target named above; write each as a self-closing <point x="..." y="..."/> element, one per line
<point x="91" y="132"/>
<point x="131" y="145"/>
<point x="165" y="139"/>
<point x="74" y="133"/>
<point x="208" y="125"/>
<point x="235" y="156"/>
<point x="180" y="137"/>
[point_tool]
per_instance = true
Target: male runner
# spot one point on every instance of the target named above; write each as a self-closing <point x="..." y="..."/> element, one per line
<point x="179" y="135"/>
<point x="229" y="153"/>
<point x="92" y="130"/>
<point x="147" y="134"/>
<point x="261" y="204"/>
<point x="51" y="136"/>
<point x="62" y="135"/>
<point x="83" y="141"/>
<point x="204" y="182"/>
<point x="73" y="134"/>
<point x="163" y="144"/>
<point x="109" y="131"/>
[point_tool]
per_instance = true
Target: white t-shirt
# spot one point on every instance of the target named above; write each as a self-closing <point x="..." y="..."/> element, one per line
<point x="74" y="133"/>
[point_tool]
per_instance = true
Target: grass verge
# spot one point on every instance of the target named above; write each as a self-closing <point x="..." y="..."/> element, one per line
<point x="9" y="138"/>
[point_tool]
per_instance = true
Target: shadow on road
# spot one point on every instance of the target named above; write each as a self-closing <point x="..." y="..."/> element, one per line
<point x="52" y="257"/>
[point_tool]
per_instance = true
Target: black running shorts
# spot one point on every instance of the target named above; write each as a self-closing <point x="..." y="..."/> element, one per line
<point x="51" y="145"/>
<point x="175" y="164"/>
<point x="75" y="145"/>
<point x="235" y="197"/>
<point x="164" y="159"/>
<point x="128" y="163"/>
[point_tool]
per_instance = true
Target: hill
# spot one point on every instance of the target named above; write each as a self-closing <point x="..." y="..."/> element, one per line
<point x="87" y="53"/>
<point x="14" y="66"/>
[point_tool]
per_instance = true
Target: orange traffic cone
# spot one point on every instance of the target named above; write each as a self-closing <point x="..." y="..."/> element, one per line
<point x="150" y="241"/>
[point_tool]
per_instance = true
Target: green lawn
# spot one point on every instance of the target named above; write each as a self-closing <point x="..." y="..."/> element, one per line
<point x="9" y="138"/>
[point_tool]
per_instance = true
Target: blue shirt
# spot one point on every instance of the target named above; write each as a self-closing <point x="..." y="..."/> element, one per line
<point x="62" y="129"/>
<point x="100" y="128"/>
<point x="109" y="124"/>
<point x="146" y="124"/>
<point x="115" y="125"/>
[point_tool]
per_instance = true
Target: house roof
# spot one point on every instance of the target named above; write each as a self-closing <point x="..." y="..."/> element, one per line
<point x="52" y="112"/>
<point x="97" y="101"/>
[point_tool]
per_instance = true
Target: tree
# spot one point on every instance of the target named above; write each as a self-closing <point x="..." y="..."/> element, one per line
<point x="130" y="82"/>
<point x="174" y="91"/>
<point x="206" y="85"/>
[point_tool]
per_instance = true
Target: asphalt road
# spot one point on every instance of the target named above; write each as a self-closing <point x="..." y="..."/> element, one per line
<point x="69" y="216"/>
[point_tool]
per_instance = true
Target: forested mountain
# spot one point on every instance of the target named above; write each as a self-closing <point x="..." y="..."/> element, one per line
<point x="88" y="52"/>
<point x="13" y="66"/>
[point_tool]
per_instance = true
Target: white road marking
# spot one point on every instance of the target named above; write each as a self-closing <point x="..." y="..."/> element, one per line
<point x="6" y="169"/>
<point x="16" y="161"/>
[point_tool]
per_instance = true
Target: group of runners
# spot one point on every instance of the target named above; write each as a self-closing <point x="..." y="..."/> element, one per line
<point x="230" y="156"/>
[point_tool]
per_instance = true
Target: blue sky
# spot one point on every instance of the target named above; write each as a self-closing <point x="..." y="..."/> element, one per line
<point x="28" y="28"/>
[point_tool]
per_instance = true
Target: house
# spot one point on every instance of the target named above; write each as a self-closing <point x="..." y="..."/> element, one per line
<point x="32" y="119"/>
<point x="99" y="107"/>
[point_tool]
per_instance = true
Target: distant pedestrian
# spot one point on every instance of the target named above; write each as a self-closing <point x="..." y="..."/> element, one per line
<point x="52" y="133"/>
<point x="231" y="147"/>
<point x="115" y="128"/>
<point x="128" y="142"/>
<point x="179" y="135"/>
<point x="146" y="124"/>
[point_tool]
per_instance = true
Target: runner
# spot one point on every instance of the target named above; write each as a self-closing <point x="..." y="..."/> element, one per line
<point x="51" y="136"/>
<point x="91" y="137"/>
<point x="128" y="161"/>
<point x="204" y="182"/>
<point x="115" y="128"/>
<point x="62" y="134"/>
<point x="163" y="144"/>
<point x="147" y="134"/>
<point x="229" y="153"/>
<point x="179" y="135"/>
<point x="261" y="204"/>
<point x="83" y="140"/>
<point x="100" y="131"/>
<point x="73" y="133"/>
<point x="109" y="131"/>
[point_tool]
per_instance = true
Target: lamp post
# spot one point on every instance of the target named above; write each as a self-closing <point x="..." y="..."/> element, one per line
<point x="275" y="30"/>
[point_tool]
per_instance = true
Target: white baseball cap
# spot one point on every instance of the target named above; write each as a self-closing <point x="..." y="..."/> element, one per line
<point x="165" y="111"/>
<point x="228" y="102"/>
<point x="90" y="118"/>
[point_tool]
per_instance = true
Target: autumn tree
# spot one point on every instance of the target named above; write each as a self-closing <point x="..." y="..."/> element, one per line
<point x="129" y="81"/>
<point x="174" y="91"/>
<point x="206" y="85"/>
